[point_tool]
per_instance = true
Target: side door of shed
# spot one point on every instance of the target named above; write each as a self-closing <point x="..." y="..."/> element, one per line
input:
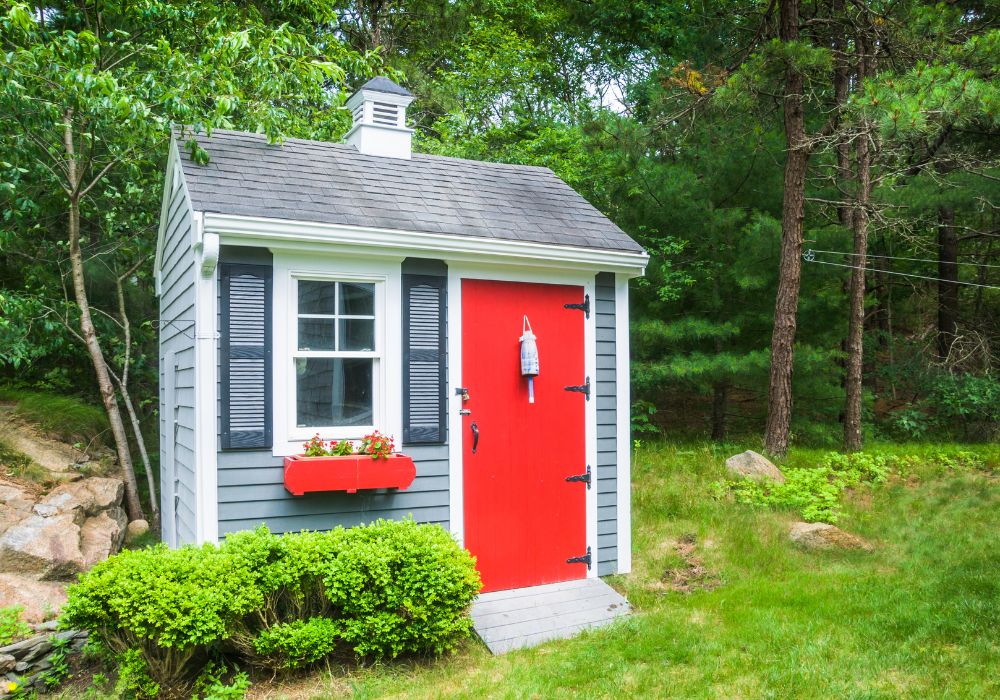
<point x="524" y="521"/>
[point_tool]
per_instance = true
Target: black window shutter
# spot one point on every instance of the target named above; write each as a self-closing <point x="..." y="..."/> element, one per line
<point x="424" y="358"/>
<point x="245" y="356"/>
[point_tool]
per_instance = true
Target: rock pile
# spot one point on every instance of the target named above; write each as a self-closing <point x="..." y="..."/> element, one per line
<point x="49" y="541"/>
<point x="26" y="663"/>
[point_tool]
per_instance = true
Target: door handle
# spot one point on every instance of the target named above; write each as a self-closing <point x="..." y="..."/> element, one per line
<point x="475" y="437"/>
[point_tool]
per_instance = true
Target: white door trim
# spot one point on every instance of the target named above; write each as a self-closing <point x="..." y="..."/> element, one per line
<point x="456" y="273"/>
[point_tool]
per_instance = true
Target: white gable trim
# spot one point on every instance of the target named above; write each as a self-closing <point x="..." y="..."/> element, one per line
<point x="168" y="189"/>
<point x="309" y="236"/>
<point x="172" y="180"/>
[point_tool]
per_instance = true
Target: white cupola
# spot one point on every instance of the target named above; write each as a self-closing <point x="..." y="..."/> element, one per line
<point x="379" y="111"/>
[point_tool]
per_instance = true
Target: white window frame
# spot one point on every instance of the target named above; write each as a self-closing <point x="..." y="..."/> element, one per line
<point x="387" y="365"/>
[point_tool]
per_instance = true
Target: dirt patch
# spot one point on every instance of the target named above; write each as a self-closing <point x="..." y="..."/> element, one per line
<point x="692" y="575"/>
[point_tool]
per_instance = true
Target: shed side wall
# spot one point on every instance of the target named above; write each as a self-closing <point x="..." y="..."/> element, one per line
<point x="607" y="421"/>
<point x="177" y="394"/>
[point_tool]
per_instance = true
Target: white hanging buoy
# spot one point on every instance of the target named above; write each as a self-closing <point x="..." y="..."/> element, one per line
<point x="529" y="357"/>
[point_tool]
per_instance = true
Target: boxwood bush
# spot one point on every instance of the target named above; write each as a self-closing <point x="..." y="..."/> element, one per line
<point x="275" y="601"/>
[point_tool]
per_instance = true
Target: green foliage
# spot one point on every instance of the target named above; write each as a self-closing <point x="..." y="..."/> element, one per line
<point x="967" y="402"/>
<point x="401" y="588"/>
<point x="59" y="658"/>
<point x="212" y="684"/>
<point x="279" y="601"/>
<point x="299" y="642"/>
<point x="12" y="627"/>
<point x="134" y="679"/>
<point x="816" y="492"/>
<point x="642" y="418"/>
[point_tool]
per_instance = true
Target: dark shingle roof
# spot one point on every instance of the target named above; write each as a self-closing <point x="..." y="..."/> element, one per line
<point x="335" y="184"/>
<point x="383" y="84"/>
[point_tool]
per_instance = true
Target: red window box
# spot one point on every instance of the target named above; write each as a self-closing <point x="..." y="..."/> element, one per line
<point x="349" y="473"/>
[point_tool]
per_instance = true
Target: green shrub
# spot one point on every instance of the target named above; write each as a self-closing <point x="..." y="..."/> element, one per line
<point x="401" y="588"/>
<point x="11" y="625"/>
<point x="299" y="642"/>
<point x="276" y="601"/>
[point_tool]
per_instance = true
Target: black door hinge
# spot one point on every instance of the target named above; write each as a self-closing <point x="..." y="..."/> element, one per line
<point x="585" y="559"/>
<point x="583" y="388"/>
<point x="584" y="307"/>
<point x="585" y="477"/>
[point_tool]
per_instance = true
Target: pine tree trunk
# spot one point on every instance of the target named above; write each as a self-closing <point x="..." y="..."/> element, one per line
<point x="948" y="276"/>
<point x="856" y="298"/>
<point x="841" y="87"/>
<point x="89" y="332"/>
<point x="856" y="323"/>
<point x="779" y="395"/>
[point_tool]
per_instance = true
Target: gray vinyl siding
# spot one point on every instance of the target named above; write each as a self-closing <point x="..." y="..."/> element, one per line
<point x="251" y="482"/>
<point x="607" y="424"/>
<point x="177" y="393"/>
<point x="252" y="492"/>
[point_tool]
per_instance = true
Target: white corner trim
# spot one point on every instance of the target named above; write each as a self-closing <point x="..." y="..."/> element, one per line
<point x="206" y="406"/>
<point x="172" y="181"/>
<point x="311" y="236"/>
<point x="623" y="418"/>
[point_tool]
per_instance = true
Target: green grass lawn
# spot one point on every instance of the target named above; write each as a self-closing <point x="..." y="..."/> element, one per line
<point x="919" y="617"/>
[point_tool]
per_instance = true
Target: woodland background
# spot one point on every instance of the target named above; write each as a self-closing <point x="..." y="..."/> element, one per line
<point x="730" y="139"/>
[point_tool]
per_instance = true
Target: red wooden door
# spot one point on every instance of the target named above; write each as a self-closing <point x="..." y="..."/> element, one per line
<point x="523" y="520"/>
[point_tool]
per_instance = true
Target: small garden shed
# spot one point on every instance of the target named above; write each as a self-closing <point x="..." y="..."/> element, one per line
<point x="318" y="288"/>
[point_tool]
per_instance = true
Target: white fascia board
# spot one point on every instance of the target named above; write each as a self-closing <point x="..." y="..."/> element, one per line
<point x="309" y="236"/>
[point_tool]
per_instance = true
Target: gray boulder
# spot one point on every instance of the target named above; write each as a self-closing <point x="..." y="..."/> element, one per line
<point x="751" y="465"/>
<point x="135" y="530"/>
<point x="43" y="547"/>
<point x="89" y="496"/>
<point x="823" y="536"/>
<point x="102" y="535"/>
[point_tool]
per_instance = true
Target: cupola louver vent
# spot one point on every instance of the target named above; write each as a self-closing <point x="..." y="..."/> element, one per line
<point x="384" y="114"/>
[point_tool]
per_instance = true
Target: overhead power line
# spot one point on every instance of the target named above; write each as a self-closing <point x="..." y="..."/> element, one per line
<point x="808" y="258"/>
<point x="894" y="257"/>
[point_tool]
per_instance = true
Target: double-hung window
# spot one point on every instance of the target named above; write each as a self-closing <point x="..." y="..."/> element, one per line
<point x="337" y="356"/>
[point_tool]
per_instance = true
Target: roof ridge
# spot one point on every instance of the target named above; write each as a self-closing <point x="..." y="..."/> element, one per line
<point x="343" y="146"/>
